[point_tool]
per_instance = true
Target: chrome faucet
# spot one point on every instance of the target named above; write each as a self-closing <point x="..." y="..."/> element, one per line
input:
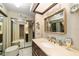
<point x="52" y="39"/>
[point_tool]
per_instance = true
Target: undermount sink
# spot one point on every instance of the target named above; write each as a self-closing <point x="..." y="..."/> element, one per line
<point x="47" y="45"/>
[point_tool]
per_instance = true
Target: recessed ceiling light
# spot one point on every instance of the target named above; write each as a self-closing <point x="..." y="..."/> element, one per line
<point x="18" y="4"/>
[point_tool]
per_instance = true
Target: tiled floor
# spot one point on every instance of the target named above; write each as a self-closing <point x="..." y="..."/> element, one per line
<point x="28" y="44"/>
<point x="25" y="48"/>
<point x="25" y="51"/>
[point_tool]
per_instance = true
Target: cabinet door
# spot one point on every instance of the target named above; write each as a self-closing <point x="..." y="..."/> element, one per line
<point x="36" y="51"/>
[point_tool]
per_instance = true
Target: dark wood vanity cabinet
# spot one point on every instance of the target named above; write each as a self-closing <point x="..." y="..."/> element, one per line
<point x="36" y="51"/>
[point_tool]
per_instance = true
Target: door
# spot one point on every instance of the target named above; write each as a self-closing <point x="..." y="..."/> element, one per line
<point x="21" y="31"/>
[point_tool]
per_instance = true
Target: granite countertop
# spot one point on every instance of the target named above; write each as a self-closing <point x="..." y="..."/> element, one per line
<point x="54" y="49"/>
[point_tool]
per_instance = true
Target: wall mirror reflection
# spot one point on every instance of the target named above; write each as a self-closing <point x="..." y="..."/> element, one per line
<point x="56" y="23"/>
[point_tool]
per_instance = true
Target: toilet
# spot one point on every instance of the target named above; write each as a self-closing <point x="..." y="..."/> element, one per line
<point x="12" y="51"/>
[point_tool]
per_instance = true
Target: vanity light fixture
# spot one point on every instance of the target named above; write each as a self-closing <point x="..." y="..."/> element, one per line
<point x="38" y="25"/>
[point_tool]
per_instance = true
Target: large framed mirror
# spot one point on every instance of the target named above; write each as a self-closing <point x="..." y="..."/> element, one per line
<point x="56" y="23"/>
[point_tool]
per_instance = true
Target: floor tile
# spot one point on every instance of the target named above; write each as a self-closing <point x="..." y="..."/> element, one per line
<point x="25" y="52"/>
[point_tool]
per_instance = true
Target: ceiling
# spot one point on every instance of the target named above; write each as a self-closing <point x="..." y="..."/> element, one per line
<point x="24" y="8"/>
<point x="43" y="6"/>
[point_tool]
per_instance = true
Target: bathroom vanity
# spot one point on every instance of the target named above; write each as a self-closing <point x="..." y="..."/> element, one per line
<point x="43" y="47"/>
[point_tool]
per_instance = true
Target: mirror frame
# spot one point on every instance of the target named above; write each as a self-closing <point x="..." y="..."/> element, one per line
<point x="65" y="22"/>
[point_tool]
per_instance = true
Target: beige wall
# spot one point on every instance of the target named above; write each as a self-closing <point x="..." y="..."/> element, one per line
<point x="72" y="24"/>
<point x="39" y="32"/>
